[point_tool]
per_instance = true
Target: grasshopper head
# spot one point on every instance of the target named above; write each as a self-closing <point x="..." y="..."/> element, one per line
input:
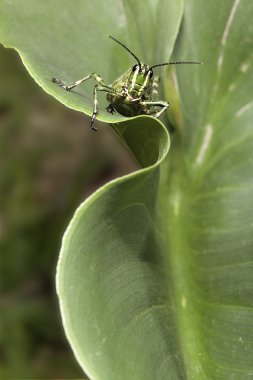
<point x="141" y="74"/>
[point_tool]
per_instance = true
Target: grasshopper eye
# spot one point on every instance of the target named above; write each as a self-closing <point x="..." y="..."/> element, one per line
<point x="135" y="67"/>
<point x="150" y="73"/>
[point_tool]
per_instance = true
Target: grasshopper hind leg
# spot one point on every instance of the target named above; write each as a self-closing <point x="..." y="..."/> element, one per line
<point x="155" y="102"/>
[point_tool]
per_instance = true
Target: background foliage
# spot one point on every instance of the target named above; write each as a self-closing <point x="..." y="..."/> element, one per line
<point x="46" y="152"/>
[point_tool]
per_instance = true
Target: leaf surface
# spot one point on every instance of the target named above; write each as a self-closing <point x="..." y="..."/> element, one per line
<point x="69" y="40"/>
<point x="210" y="201"/>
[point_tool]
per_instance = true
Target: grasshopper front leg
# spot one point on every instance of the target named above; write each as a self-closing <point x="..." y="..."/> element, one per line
<point x="97" y="88"/>
<point x="101" y="86"/>
<point x="71" y="86"/>
<point x="160" y="103"/>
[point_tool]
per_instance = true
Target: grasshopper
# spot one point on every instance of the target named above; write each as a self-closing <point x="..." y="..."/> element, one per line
<point x="133" y="93"/>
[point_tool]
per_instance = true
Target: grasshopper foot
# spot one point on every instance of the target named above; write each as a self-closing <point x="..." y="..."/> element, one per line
<point x="61" y="84"/>
<point x="110" y="109"/>
<point x="93" y="127"/>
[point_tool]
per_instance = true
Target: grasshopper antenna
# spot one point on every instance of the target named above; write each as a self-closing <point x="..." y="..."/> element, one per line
<point x="177" y="63"/>
<point x="125" y="47"/>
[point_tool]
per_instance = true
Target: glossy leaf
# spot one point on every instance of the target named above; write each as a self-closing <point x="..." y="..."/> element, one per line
<point x="210" y="202"/>
<point x="110" y="285"/>
<point x="69" y="40"/>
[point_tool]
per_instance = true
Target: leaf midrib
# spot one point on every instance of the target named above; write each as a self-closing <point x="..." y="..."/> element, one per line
<point x="176" y="246"/>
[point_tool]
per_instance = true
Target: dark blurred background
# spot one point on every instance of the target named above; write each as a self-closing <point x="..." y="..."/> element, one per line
<point x="50" y="161"/>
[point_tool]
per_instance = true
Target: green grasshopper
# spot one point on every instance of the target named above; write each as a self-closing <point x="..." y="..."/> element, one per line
<point x="133" y="93"/>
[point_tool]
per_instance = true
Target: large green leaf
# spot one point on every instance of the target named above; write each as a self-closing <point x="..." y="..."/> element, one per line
<point x="112" y="291"/>
<point x="167" y="296"/>
<point x="210" y="244"/>
<point x="69" y="40"/>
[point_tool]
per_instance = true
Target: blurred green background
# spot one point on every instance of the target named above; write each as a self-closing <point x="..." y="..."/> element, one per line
<point x="50" y="161"/>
